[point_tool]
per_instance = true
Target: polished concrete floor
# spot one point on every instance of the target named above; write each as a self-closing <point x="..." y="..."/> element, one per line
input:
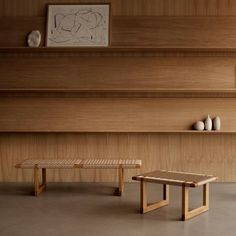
<point x="91" y="209"/>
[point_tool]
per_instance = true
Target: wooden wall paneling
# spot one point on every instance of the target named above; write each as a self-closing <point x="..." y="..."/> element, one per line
<point x="189" y="32"/>
<point x="117" y="73"/>
<point x="14" y="30"/>
<point x="211" y="154"/>
<point x="112" y="115"/>
<point x="130" y="7"/>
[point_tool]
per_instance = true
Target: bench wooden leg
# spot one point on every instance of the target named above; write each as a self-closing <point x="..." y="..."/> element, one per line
<point x="186" y="214"/>
<point x="144" y="206"/>
<point x="120" y="189"/>
<point x="38" y="188"/>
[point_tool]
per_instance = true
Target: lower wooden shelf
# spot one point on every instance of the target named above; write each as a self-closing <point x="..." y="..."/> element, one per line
<point x="121" y="131"/>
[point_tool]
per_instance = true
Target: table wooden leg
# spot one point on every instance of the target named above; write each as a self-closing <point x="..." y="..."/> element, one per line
<point x="206" y="196"/>
<point x="144" y="206"/>
<point x="166" y="192"/>
<point x="185" y="202"/>
<point x="186" y="214"/>
<point x="44" y="177"/>
<point x="143" y="196"/>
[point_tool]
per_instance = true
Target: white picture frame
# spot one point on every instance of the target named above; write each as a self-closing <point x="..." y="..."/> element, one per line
<point x="80" y="25"/>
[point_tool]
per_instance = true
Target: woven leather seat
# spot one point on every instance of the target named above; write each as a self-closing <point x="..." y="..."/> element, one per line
<point x="78" y="164"/>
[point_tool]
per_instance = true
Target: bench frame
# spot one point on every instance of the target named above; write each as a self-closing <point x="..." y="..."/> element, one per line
<point x="166" y="181"/>
<point x="186" y="213"/>
<point x="40" y="184"/>
<point x="39" y="187"/>
<point x="144" y="206"/>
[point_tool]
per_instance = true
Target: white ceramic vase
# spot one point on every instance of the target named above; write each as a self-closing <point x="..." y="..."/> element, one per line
<point x="216" y="123"/>
<point x="208" y="123"/>
<point x="34" y="38"/>
<point x="199" y="125"/>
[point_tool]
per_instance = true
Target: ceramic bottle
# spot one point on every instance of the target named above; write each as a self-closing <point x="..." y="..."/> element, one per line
<point x="208" y="123"/>
<point x="216" y="123"/>
<point x="199" y="125"/>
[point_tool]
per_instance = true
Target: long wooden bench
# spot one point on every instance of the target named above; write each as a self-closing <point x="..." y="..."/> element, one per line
<point x="38" y="165"/>
<point x="182" y="179"/>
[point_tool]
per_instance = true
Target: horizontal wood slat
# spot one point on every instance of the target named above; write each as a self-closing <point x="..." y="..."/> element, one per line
<point x="14" y="30"/>
<point x="117" y="73"/>
<point x="176" y="32"/>
<point x="130" y="7"/>
<point x="119" y="51"/>
<point x="214" y="154"/>
<point x="180" y="32"/>
<point x="112" y="115"/>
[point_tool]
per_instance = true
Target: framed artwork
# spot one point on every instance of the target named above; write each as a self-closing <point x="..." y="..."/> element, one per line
<point x="85" y="25"/>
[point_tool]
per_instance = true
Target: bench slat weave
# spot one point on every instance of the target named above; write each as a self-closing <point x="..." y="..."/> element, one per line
<point x="175" y="178"/>
<point x="78" y="163"/>
<point x="109" y="164"/>
<point x="49" y="164"/>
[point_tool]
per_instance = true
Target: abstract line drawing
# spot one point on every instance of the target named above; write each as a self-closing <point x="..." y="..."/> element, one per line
<point x="78" y="25"/>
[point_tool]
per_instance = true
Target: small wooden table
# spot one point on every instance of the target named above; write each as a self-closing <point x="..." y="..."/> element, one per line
<point x="183" y="179"/>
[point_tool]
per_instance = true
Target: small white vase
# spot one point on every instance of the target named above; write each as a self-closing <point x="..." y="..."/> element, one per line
<point x="208" y="123"/>
<point x="199" y="125"/>
<point x="216" y="123"/>
<point x="34" y="38"/>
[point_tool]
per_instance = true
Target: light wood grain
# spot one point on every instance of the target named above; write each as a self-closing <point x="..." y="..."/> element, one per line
<point x="117" y="73"/>
<point x="214" y="154"/>
<point x="130" y="7"/>
<point x="174" y="31"/>
<point x="14" y="30"/>
<point x="128" y="93"/>
<point x="118" y="51"/>
<point x="112" y="115"/>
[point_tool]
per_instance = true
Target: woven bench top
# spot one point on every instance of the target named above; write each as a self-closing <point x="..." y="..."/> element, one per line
<point x="175" y="178"/>
<point x="49" y="164"/>
<point x="109" y="163"/>
<point x="79" y="163"/>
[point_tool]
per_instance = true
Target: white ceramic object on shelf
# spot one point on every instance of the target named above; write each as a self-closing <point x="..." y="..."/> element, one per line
<point x="208" y="123"/>
<point x="199" y="125"/>
<point x="34" y="39"/>
<point x="216" y="123"/>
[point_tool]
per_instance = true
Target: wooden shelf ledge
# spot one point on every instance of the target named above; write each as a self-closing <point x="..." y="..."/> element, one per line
<point x="119" y="49"/>
<point x="123" y="131"/>
<point x="165" y="93"/>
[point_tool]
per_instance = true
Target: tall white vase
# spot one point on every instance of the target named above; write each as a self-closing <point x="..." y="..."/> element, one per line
<point x="216" y="123"/>
<point x="208" y="123"/>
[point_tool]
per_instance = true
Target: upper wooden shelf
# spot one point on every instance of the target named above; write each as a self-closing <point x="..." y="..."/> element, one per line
<point x="117" y="49"/>
<point x="148" y="93"/>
